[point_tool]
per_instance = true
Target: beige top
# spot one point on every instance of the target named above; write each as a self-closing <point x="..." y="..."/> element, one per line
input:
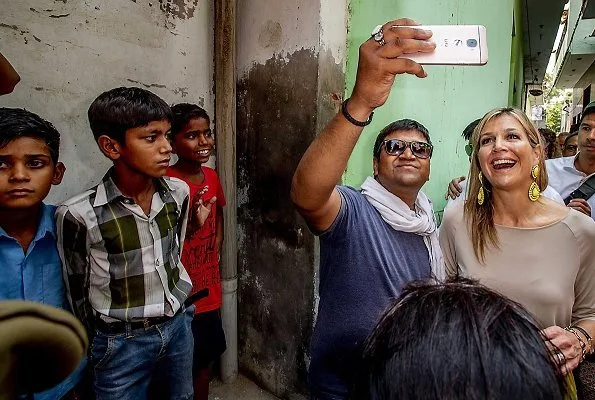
<point x="549" y="270"/>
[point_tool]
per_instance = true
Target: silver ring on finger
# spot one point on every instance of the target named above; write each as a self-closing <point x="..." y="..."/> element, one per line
<point x="559" y="357"/>
<point x="378" y="35"/>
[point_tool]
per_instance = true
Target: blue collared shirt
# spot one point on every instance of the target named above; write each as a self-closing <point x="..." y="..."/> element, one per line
<point x="36" y="276"/>
<point x="565" y="178"/>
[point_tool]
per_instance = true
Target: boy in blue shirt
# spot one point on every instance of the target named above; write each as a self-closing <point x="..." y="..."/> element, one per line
<point x="29" y="260"/>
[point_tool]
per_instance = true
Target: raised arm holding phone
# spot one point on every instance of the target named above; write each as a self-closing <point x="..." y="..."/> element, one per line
<point x="313" y="188"/>
<point x="373" y="241"/>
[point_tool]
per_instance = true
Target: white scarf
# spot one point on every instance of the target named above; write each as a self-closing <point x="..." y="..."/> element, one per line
<point x="400" y="217"/>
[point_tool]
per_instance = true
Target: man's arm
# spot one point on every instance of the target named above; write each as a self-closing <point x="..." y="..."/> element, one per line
<point x="454" y="189"/>
<point x="313" y="187"/>
<point x="72" y="247"/>
<point x="8" y="76"/>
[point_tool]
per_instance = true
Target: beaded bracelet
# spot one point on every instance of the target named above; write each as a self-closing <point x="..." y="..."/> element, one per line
<point x="587" y="336"/>
<point x="580" y="341"/>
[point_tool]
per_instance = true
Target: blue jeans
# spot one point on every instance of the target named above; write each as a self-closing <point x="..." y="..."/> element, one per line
<point x="124" y="364"/>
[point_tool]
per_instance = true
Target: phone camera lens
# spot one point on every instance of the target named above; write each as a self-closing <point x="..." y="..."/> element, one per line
<point x="471" y="43"/>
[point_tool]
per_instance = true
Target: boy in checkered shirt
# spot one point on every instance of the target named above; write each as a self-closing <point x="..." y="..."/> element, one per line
<point x="120" y="244"/>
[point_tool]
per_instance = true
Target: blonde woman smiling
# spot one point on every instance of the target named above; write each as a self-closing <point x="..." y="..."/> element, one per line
<point x="513" y="240"/>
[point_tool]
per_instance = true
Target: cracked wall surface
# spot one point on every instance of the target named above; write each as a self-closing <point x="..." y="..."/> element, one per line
<point x="67" y="52"/>
<point x="290" y="83"/>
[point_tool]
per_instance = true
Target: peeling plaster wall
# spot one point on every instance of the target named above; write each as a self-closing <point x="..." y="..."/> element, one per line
<point x="68" y="52"/>
<point x="290" y="83"/>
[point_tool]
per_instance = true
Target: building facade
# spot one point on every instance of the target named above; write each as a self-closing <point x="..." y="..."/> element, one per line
<point x="575" y="59"/>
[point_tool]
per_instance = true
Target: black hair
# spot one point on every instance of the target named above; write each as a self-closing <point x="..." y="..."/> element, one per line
<point x="468" y="131"/>
<point x="457" y="340"/>
<point x="549" y="140"/>
<point x="400" y="125"/>
<point x="113" y="112"/>
<point x="571" y="134"/>
<point x="183" y="113"/>
<point x="18" y="122"/>
<point x="589" y="109"/>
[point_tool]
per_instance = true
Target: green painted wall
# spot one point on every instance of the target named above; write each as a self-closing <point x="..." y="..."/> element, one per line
<point x="449" y="98"/>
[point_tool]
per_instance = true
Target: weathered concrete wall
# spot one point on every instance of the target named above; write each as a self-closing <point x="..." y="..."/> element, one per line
<point x="290" y="82"/>
<point x="67" y="52"/>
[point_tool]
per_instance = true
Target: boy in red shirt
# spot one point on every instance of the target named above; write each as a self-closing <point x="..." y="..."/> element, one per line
<point x="194" y="143"/>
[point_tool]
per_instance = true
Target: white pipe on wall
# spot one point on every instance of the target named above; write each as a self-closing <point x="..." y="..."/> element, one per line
<point x="225" y="120"/>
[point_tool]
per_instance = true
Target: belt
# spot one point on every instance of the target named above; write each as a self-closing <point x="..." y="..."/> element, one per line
<point x="201" y="294"/>
<point x="120" y="326"/>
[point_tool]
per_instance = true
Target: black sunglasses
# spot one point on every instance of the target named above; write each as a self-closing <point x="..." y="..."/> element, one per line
<point x="396" y="147"/>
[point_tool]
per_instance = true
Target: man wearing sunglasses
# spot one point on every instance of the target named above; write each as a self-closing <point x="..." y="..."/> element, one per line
<point x="375" y="241"/>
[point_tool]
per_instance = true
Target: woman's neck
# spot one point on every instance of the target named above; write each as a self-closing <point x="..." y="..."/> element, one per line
<point x="514" y="208"/>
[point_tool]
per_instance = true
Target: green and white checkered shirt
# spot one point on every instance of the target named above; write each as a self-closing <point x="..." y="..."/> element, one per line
<point x="118" y="261"/>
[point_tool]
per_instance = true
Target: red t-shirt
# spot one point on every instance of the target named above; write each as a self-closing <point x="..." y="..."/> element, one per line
<point x="200" y="255"/>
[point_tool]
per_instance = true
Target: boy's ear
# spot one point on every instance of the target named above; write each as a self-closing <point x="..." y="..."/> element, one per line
<point x="58" y="173"/>
<point x="109" y="147"/>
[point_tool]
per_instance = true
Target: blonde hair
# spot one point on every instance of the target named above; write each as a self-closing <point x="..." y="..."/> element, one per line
<point x="480" y="219"/>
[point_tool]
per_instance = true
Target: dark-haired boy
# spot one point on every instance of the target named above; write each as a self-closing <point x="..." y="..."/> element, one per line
<point x="194" y="143"/>
<point x="29" y="261"/>
<point x="120" y="244"/>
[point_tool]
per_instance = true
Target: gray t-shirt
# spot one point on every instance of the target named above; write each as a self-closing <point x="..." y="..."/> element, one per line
<point x="364" y="264"/>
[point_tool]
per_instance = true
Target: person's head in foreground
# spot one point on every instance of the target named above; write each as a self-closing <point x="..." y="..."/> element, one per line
<point x="457" y="340"/>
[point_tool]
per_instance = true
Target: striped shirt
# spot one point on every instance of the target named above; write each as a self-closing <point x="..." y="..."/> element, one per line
<point x="118" y="262"/>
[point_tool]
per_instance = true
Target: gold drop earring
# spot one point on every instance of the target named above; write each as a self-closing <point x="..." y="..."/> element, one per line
<point x="534" y="191"/>
<point x="481" y="193"/>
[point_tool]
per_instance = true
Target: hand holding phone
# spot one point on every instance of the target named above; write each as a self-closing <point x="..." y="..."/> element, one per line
<point x="455" y="45"/>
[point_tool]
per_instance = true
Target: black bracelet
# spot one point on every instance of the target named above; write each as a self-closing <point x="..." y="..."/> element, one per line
<point x="582" y="330"/>
<point x="587" y="336"/>
<point x="353" y="120"/>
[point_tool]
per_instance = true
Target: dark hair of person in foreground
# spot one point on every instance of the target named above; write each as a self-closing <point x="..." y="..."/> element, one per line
<point x="457" y="340"/>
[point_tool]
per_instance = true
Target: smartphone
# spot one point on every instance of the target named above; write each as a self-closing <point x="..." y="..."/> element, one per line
<point x="455" y="45"/>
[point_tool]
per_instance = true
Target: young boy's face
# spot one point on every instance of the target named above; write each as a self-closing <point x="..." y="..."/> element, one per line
<point x="146" y="151"/>
<point x="195" y="142"/>
<point x="27" y="173"/>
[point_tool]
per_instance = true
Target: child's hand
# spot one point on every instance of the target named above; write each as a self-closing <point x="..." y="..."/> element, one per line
<point x="203" y="210"/>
